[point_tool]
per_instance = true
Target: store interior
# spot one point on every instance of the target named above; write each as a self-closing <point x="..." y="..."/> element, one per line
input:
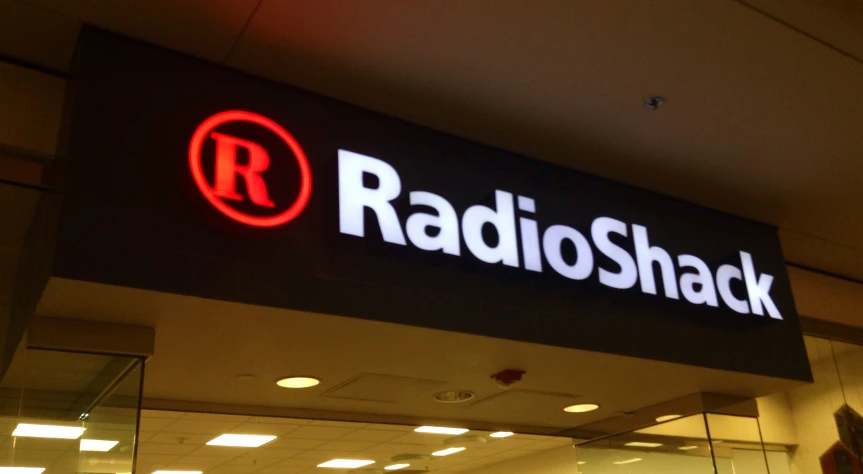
<point x="69" y="413"/>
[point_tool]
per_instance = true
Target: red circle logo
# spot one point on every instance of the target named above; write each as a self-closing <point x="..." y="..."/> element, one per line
<point x="229" y="172"/>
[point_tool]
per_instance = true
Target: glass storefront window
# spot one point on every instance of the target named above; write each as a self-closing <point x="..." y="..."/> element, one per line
<point x="68" y="412"/>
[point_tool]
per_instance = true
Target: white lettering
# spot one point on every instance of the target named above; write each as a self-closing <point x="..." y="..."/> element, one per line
<point x="723" y="282"/>
<point x="442" y="230"/>
<point x="704" y="279"/>
<point x="503" y="220"/>
<point x="646" y="256"/>
<point x="551" y="241"/>
<point x="529" y="236"/>
<point x="446" y="220"/>
<point x="628" y="275"/>
<point x="758" y="288"/>
<point x="354" y="197"/>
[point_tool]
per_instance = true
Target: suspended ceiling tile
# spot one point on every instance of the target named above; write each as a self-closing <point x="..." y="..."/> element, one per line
<point x="341" y="445"/>
<point x="193" y="439"/>
<point x="372" y="436"/>
<point x="160" y="459"/>
<point x="253" y="460"/>
<point x="165" y="448"/>
<point x="203" y="28"/>
<point x="281" y="421"/>
<point x="272" y="429"/>
<point x="220" y="451"/>
<point x="297" y="443"/>
<point x="273" y="454"/>
<point x="320" y="432"/>
<point x="199" y="462"/>
<point x="284" y="470"/>
<point x="202" y="427"/>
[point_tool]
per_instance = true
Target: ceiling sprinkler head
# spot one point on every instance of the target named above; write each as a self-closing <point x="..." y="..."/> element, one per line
<point x="654" y="103"/>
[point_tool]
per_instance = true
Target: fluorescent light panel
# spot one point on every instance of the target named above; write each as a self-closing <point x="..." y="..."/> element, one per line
<point x="447" y="452"/>
<point x="687" y="448"/>
<point x="502" y="434"/>
<point x="100" y="445"/>
<point x="441" y="430"/>
<point x="628" y="461"/>
<point x="642" y="444"/>
<point x="396" y="467"/>
<point x="48" y="431"/>
<point x="177" y="472"/>
<point x="241" y="440"/>
<point x="346" y="463"/>
<point x="21" y="470"/>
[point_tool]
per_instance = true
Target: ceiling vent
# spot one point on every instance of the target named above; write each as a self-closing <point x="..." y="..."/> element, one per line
<point x="382" y="388"/>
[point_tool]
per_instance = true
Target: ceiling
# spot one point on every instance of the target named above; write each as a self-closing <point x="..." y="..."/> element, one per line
<point x="374" y="371"/>
<point x="170" y="440"/>
<point x="764" y="98"/>
<point x="763" y="119"/>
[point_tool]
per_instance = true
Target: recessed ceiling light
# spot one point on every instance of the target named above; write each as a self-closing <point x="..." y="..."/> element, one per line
<point x="687" y="448"/>
<point x="581" y="408"/>
<point x="346" y="463"/>
<point x="628" y="461"/>
<point x="297" y="382"/>
<point x="663" y="418"/>
<point x="101" y="445"/>
<point x="642" y="444"/>
<point x="502" y="434"/>
<point x="241" y="440"/>
<point x="441" y="430"/>
<point x="582" y="462"/>
<point x="48" y="431"/>
<point x="396" y="467"/>
<point x="21" y="470"/>
<point x="447" y="452"/>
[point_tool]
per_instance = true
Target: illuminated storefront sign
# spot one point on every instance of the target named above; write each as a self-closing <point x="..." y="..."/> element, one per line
<point x="439" y="231"/>
<point x="442" y="230"/>
<point x="233" y="188"/>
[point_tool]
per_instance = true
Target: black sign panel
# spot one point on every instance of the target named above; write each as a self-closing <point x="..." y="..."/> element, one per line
<point x="190" y="178"/>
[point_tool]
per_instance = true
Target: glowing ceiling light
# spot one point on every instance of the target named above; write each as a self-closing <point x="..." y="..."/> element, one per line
<point x="297" y="382"/>
<point x="100" y="445"/>
<point x="48" y="431"/>
<point x="241" y="440"/>
<point x="581" y="408"/>
<point x="346" y="463"/>
<point x="642" y="444"/>
<point x="441" y="430"/>
<point x="447" y="452"/>
<point x="396" y="467"/>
